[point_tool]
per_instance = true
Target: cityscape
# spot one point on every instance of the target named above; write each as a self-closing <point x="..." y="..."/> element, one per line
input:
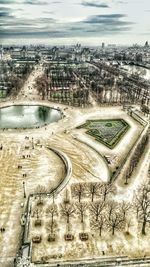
<point x="74" y="133"/>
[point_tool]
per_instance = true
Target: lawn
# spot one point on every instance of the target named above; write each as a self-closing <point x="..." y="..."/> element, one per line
<point x="109" y="132"/>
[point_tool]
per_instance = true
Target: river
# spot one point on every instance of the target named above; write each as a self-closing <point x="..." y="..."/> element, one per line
<point x="143" y="72"/>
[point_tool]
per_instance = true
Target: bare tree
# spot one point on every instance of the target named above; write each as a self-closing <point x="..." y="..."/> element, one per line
<point x="93" y="189"/>
<point x="81" y="210"/>
<point x="100" y="224"/>
<point x="116" y="221"/>
<point x="125" y="207"/>
<point x="142" y="205"/>
<point x="96" y="209"/>
<point x="67" y="211"/>
<point x="52" y="212"/>
<point x="107" y="189"/>
<point x="136" y="156"/>
<point x="37" y="212"/>
<point x="111" y="206"/>
<point x="40" y="190"/>
<point x="42" y="85"/>
<point x="51" y="227"/>
<point x="67" y="196"/>
<point x="78" y="190"/>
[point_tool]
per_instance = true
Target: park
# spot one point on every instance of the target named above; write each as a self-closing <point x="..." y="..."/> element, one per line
<point x="73" y="174"/>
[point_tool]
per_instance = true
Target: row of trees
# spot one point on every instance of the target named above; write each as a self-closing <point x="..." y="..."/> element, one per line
<point x="73" y="86"/>
<point x="130" y="87"/>
<point x="14" y="77"/>
<point x="136" y="157"/>
<point x="103" y="212"/>
<point x="80" y="191"/>
<point x="65" y="92"/>
<point x="142" y="206"/>
<point x="103" y="215"/>
<point x="92" y="190"/>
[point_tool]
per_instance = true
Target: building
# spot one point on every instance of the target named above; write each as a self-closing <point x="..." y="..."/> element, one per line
<point x="103" y="45"/>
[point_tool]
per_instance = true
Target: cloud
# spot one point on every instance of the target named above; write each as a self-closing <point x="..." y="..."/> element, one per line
<point x="5" y="13"/>
<point x="56" y="2"/>
<point x="28" y="2"/>
<point x="120" y="2"/>
<point x="6" y="2"/>
<point x="19" y="25"/>
<point x="99" y="25"/>
<point x="35" y="2"/>
<point x="94" y="4"/>
<point x="109" y="19"/>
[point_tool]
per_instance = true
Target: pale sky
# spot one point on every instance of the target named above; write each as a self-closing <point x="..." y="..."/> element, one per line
<point x="89" y="22"/>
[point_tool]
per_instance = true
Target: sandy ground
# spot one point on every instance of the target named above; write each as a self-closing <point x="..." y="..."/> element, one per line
<point x="124" y="243"/>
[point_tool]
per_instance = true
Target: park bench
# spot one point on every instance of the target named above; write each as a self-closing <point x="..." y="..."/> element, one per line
<point x="51" y="237"/>
<point x="38" y="222"/>
<point x="69" y="237"/>
<point x="83" y="236"/>
<point x="36" y="239"/>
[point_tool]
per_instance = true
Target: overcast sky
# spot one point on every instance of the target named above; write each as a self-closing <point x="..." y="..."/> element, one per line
<point x="70" y="21"/>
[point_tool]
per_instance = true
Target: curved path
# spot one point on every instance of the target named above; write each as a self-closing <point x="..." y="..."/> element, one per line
<point x="68" y="167"/>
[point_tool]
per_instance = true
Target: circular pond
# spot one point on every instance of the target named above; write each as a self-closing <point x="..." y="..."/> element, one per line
<point x="27" y="116"/>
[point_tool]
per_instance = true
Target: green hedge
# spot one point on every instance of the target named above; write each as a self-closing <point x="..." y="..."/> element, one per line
<point x="95" y="133"/>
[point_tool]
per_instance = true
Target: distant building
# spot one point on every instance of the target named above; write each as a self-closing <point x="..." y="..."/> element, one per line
<point x="1" y="53"/>
<point x="81" y="56"/>
<point x="138" y="57"/>
<point x="146" y="44"/>
<point x="103" y="45"/>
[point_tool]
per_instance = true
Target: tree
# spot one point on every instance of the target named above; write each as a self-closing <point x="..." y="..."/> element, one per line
<point x="107" y="189"/>
<point x="67" y="211"/>
<point x="93" y="189"/>
<point x="78" y="190"/>
<point x="142" y="205"/>
<point x="37" y="212"/>
<point x="40" y="190"/>
<point x="81" y="210"/>
<point x="100" y="224"/>
<point x="125" y="207"/>
<point x="52" y="211"/>
<point x="67" y="196"/>
<point x="136" y="156"/>
<point x="116" y="221"/>
<point x="111" y="205"/>
<point x="42" y="84"/>
<point x="96" y="209"/>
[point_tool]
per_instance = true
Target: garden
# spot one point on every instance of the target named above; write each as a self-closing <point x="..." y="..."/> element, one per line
<point x="109" y="132"/>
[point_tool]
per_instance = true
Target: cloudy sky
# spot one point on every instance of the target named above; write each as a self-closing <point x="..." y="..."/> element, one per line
<point x="70" y="21"/>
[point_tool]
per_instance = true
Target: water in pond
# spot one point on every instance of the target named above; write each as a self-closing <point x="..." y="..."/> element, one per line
<point x="27" y="116"/>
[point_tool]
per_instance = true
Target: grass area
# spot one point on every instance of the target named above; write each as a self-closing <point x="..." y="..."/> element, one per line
<point x="2" y="93"/>
<point x="109" y="132"/>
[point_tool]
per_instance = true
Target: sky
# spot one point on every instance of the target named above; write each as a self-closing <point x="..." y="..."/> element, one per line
<point x="89" y="22"/>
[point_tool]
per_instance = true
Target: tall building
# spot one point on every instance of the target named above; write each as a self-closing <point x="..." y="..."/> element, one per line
<point x="103" y="45"/>
<point x="146" y="44"/>
<point x="1" y="52"/>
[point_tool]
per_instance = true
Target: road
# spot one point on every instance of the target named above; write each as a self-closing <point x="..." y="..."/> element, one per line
<point x="29" y="91"/>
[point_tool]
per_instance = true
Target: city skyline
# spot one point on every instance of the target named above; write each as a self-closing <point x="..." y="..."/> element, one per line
<point x="64" y="22"/>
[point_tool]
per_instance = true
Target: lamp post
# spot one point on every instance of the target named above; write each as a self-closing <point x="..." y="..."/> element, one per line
<point x="32" y="143"/>
<point x="24" y="189"/>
